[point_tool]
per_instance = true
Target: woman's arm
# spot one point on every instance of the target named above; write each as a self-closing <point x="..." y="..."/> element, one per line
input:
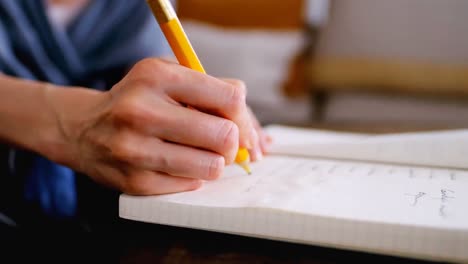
<point x="28" y="118"/>
<point x="138" y="137"/>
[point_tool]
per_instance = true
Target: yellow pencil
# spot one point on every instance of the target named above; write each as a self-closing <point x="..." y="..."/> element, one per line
<point x="184" y="52"/>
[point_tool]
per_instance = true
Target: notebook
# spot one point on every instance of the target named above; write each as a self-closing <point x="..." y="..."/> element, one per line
<point x="395" y="194"/>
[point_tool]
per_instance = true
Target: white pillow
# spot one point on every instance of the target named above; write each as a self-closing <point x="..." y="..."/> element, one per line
<point x="261" y="58"/>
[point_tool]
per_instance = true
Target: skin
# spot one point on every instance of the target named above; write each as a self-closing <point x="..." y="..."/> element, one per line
<point x="139" y="137"/>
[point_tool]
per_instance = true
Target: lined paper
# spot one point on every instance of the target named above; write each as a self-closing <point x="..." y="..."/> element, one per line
<point x="349" y="190"/>
<point x="403" y="210"/>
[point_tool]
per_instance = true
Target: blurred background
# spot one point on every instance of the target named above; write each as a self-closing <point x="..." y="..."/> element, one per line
<point x="370" y="62"/>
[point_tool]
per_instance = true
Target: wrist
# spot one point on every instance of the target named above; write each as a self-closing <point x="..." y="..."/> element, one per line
<point x="70" y="110"/>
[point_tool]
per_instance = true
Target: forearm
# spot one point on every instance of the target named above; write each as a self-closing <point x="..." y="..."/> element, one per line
<point x="30" y="114"/>
<point x="138" y="137"/>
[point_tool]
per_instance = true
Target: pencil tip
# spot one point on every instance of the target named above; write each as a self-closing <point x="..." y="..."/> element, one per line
<point x="246" y="167"/>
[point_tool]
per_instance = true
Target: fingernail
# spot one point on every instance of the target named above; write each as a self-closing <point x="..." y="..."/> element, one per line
<point x="196" y="183"/>
<point x="266" y="143"/>
<point x="258" y="154"/>
<point x="253" y="137"/>
<point x="248" y="144"/>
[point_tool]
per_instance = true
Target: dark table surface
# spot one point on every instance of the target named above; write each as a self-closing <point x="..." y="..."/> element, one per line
<point x="164" y="244"/>
<point x="135" y="242"/>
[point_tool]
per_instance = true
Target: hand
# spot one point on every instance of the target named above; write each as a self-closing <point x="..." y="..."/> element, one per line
<point x="142" y="139"/>
<point x="262" y="145"/>
<point x="263" y="141"/>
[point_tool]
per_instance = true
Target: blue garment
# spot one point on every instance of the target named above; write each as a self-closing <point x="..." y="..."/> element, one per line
<point x="53" y="187"/>
<point x="94" y="51"/>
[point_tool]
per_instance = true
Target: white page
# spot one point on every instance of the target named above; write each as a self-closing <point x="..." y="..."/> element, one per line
<point x="437" y="149"/>
<point x="358" y="191"/>
<point x="376" y="207"/>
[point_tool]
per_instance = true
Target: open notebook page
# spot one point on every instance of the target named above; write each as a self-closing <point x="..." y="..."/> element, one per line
<point x="360" y="191"/>
<point x="436" y="149"/>
<point x="352" y="204"/>
<point x="396" y="210"/>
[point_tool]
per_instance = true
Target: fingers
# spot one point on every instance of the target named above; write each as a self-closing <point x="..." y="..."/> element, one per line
<point x="203" y="92"/>
<point x="172" y="159"/>
<point x="167" y="146"/>
<point x="256" y="152"/>
<point x="180" y="125"/>
<point x="264" y="140"/>
<point x="213" y="96"/>
<point x="193" y="128"/>
<point x="248" y="126"/>
<point x="182" y="161"/>
<point x="261" y="147"/>
<point x="155" y="183"/>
